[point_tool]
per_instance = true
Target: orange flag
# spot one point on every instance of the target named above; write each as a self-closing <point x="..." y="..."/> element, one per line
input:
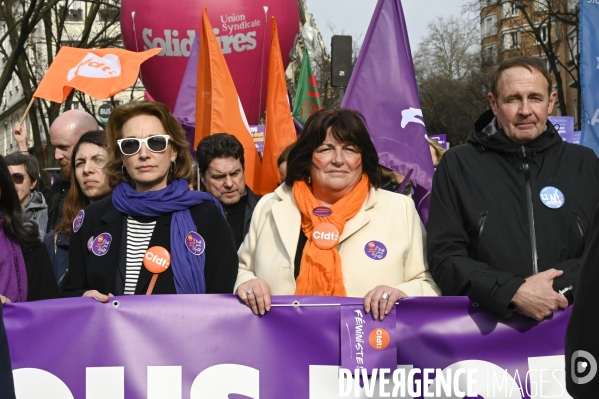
<point x="218" y="108"/>
<point x="280" y="130"/>
<point x="99" y="73"/>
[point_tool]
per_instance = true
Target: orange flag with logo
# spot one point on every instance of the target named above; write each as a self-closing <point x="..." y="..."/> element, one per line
<point x="218" y="108"/>
<point x="99" y="73"/>
<point x="280" y="130"/>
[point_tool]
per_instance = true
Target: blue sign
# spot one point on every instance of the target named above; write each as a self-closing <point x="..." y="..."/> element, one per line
<point x="589" y="73"/>
<point x="552" y="197"/>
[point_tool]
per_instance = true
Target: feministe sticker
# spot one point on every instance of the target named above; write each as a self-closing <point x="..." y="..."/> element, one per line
<point x="101" y="244"/>
<point x="552" y="197"/>
<point x="78" y="221"/>
<point x="375" y="250"/>
<point x="367" y="343"/>
<point x="195" y="243"/>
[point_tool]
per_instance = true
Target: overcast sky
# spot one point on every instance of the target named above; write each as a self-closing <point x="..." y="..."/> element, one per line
<point x="351" y="17"/>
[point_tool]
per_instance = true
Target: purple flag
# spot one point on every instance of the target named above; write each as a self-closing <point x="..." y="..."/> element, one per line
<point x="185" y="107"/>
<point x="383" y="89"/>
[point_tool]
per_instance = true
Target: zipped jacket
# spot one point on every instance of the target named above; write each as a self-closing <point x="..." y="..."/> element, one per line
<point x="489" y="227"/>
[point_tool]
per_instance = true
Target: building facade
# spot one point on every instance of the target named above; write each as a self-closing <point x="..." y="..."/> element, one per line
<point x="544" y="28"/>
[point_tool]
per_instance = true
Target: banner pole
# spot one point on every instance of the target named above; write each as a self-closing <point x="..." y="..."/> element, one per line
<point x="27" y="110"/>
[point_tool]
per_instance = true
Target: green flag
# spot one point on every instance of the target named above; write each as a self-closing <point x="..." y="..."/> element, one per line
<point x="307" y="97"/>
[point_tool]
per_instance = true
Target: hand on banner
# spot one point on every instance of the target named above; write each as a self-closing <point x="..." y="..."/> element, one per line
<point x="20" y="135"/>
<point x="97" y="296"/>
<point x="536" y="297"/>
<point x="255" y="294"/>
<point x="4" y="299"/>
<point x="381" y="300"/>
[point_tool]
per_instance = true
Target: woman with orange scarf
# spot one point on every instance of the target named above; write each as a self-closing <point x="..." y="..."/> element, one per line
<point x="329" y="231"/>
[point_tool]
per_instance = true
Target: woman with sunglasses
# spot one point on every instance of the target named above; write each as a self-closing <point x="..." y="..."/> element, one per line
<point x="25" y="271"/>
<point x="25" y="173"/>
<point x="152" y="221"/>
<point x="88" y="185"/>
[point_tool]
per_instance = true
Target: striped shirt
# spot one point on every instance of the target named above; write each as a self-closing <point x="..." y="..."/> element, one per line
<point x="138" y="239"/>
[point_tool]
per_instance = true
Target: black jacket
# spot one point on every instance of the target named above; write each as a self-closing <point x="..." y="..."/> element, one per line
<point x="583" y="328"/>
<point x="250" y="204"/>
<point x="40" y="278"/>
<point x="486" y="217"/>
<point x="107" y="273"/>
<point x="55" y="201"/>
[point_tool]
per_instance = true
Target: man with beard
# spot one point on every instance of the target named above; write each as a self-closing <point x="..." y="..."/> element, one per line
<point x="65" y="131"/>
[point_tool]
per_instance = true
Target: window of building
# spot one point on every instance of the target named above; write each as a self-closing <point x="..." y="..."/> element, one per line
<point x="509" y="10"/>
<point x="489" y="25"/>
<point x="542" y="5"/>
<point x="573" y="49"/>
<point x="490" y="54"/>
<point x="542" y="34"/>
<point x="511" y="40"/>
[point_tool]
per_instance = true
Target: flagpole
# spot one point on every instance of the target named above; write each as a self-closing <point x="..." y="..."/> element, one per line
<point x="27" y="110"/>
<point x="262" y="63"/>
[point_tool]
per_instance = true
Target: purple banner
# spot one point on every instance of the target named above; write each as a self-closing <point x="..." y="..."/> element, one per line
<point x="212" y="346"/>
<point x="564" y="126"/>
<point x="258" y="133"/>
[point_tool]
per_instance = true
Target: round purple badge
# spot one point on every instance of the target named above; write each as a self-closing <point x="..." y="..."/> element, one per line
<point x="195" y="243"/>
<point x="322" y="211"/>
<point x="78" y="221"/>
<point x="101" y="244"/>
<point x="375" y="250"/>
<point x="90" y="242"/>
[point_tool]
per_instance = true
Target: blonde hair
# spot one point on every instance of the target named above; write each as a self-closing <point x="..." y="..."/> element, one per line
<point x="182" y="169"/>
<point x="439" y="151"/>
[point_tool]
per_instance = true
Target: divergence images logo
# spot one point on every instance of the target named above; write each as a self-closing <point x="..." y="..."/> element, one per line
<point x="93" y="66"/>
<point x="379" y="338"/>
<point x="583" y="367"/>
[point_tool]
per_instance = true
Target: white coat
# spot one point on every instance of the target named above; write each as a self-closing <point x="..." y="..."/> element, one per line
<point x="269" y="248"/>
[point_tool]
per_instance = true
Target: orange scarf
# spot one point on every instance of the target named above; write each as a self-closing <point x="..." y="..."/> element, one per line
<point x="320" y="269"/>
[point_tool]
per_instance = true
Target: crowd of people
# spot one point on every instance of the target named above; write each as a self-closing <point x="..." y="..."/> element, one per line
<point x="509" y="217"/>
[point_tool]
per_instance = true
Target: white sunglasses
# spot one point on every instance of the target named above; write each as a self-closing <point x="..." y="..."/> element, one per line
<point x="131" y="146"/>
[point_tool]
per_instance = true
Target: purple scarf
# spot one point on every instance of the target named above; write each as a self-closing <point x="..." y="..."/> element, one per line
<point x="13" y="275"/>
<point x="176" y="198"/>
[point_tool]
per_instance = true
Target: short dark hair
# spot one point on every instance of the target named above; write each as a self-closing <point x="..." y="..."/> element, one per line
<point x="31" y="165"/>
<point x="219" y="145"/>
<point x="524" y="61"/>
<point x="347" y="126"/>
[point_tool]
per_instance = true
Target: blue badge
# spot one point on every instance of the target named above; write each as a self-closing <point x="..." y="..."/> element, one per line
<point x="375" y="250"/>
<point x="101" y="244"/>
<point x="552" y="198"/>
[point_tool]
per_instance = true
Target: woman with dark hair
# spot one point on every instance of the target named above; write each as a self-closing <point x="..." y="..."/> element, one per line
<point x="25" y="271"/>
<point x="329" y="230"/>
<point x="25" y="173"/>
<point x="88" y="185"/>
<point x="152" y="223"/>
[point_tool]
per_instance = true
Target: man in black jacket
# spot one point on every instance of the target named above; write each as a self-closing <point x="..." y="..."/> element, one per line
<point x="221" y="162"/>
<point x="509" y="210"/>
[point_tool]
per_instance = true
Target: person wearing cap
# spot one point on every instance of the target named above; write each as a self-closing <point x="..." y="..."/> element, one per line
<point x="153" y="235"/>
<point x="510" y="209"/>
<point x="329" y="230"/>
